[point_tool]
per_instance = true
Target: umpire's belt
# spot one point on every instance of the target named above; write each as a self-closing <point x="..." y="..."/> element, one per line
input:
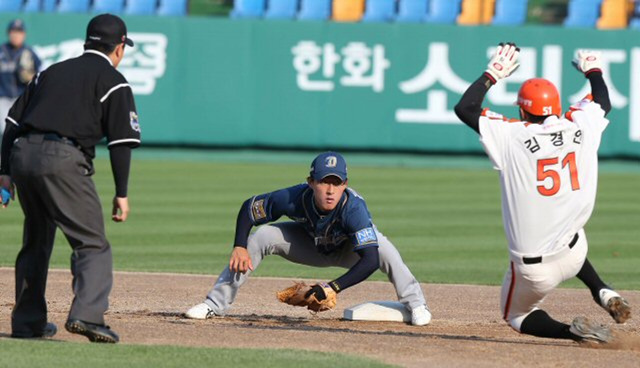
<point x="534" y="260"/>
<point x="39" y="137"/>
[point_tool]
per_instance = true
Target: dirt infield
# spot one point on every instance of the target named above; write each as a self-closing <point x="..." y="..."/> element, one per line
<point x="466" y="330"/>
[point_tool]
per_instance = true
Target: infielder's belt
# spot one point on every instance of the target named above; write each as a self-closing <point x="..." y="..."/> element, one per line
<point x="534" y="260"/>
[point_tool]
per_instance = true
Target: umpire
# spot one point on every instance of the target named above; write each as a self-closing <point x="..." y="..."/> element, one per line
<point x="47" y="151"/>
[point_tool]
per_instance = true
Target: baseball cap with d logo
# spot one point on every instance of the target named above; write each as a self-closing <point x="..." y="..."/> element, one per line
<point x="108" y="29"/>
<point x="327" y="164"/>
<point x="16" y="25"/>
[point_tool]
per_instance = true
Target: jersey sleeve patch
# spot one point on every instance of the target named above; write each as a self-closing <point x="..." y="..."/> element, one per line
<point x="257" y="210"/>
<point x="492" y="115"/>
<point x="133" y="120"/>
<point x="582" y="104"/>
<point x="366" y="236"/>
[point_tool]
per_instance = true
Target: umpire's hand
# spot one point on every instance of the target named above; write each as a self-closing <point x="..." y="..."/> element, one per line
<point x="120" y="210"/>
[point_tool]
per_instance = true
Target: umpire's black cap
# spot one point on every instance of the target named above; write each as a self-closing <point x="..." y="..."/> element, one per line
<point x="108" y="29"/>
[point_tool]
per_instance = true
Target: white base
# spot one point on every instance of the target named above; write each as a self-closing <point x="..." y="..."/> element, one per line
<point x="378" y="311"/>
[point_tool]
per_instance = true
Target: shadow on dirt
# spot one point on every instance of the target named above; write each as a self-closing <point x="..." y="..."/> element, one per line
<point x="286" y="323"/>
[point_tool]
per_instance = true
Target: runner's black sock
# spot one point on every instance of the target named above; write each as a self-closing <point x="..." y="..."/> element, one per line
<point x="539" y="323"/>
<point x="589" y="277"/>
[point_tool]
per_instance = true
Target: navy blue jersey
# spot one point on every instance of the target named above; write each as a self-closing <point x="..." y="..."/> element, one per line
<point x="10" y="84"/>
<point x="349" y="224"/>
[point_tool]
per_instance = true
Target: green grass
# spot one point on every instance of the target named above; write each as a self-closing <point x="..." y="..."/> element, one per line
<point x="52" y="354"/>
<point x="446" y="222"/>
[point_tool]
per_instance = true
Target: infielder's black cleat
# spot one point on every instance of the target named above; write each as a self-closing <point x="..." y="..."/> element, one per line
<point x="95" y="333"/>
<point x="50" y="329"/>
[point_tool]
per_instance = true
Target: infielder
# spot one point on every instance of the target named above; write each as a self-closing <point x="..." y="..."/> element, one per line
<point x="18" y="65"/>
<point x="548" y="174"/>
<point x="331" y="227"/>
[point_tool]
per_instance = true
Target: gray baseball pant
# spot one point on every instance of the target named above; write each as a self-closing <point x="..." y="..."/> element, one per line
<point x="55" y="191"/>
<point x="290" y="241"/>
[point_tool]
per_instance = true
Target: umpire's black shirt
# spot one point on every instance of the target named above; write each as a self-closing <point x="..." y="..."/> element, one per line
<point x="83" y="99"/>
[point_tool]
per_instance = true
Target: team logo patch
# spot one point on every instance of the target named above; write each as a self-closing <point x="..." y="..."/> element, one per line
<point x="524" y="101"/>
<point x="257" y="209"/>
<point x="366" y="236"/>
<point x="135" y="124"/>
<point x="330" y="161"/>
<point x="492" y="114"/>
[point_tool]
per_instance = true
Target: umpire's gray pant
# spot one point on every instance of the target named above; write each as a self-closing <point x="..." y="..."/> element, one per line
<point x="290" y="241"/>
<point x="55" y="190"/>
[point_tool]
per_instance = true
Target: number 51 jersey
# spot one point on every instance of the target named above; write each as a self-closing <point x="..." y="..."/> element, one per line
<point x="548" y="175"/>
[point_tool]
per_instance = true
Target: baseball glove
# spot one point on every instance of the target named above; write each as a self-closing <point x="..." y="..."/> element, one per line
<point x="26" y="67"/>
<point x="318" y="297"/>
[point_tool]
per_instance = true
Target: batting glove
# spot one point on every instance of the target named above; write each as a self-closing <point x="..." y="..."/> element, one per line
<point x="6" y="197"/>
<point x="7" y="190"/>
<point x="587" y="61"/>
<point x="504" y="62"/>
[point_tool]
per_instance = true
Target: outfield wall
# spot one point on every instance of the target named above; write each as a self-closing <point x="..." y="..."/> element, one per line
<point x="220" y="82"/>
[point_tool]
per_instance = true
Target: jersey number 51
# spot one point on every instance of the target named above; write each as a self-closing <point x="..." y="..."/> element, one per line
<point x="543" y="173"/>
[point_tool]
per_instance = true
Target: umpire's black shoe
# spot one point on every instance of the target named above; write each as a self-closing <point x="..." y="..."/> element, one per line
<point x="95" y="333"/>
<point x="50" y="329"/>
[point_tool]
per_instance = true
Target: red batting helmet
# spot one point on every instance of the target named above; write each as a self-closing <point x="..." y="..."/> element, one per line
<point x="540" y="97"/>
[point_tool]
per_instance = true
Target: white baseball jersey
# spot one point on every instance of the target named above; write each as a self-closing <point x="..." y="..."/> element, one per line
<point x="548" y="175"/>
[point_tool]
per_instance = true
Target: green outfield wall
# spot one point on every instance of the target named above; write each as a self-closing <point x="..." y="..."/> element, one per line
<point x="220" y="82"/>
